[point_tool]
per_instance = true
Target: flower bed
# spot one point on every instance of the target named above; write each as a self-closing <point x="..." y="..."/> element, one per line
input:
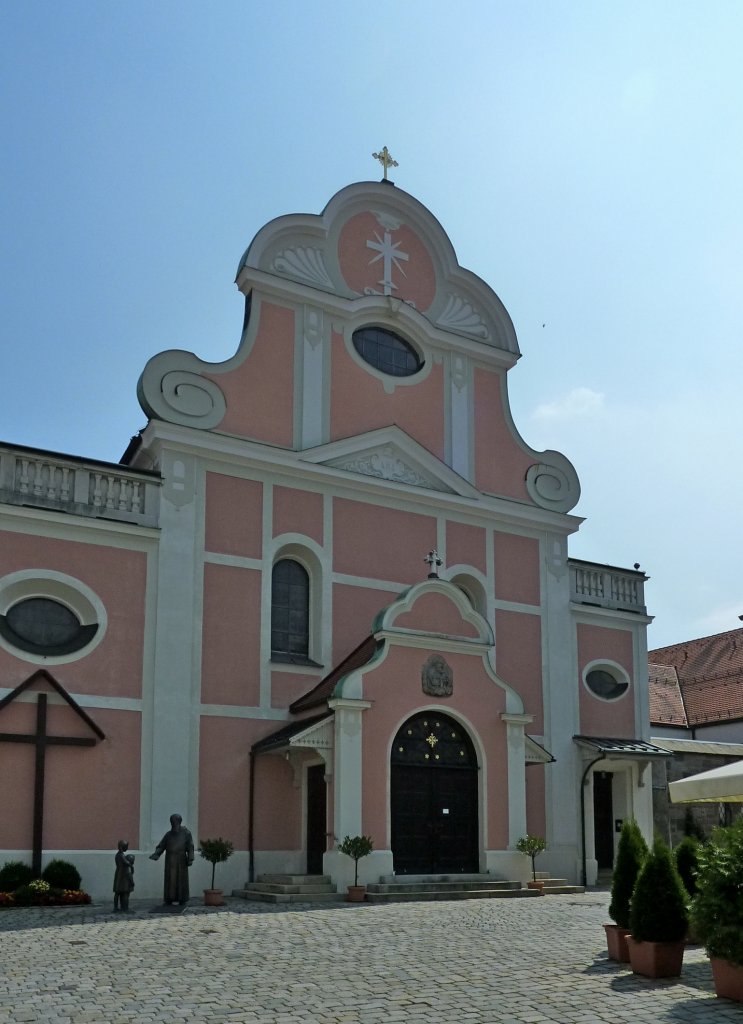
<point x="41" y="894"/>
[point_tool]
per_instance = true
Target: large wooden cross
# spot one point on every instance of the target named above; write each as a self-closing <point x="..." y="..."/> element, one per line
<point x="41" y="740"/>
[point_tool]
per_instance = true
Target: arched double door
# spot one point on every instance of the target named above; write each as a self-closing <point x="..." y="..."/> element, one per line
<point x="433" y="794"/>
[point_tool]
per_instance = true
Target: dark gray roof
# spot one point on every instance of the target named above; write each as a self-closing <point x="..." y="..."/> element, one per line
<point x="621" y="747"/>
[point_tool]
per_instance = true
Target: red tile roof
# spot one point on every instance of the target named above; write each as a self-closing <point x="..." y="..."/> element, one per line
<point x="709" y="674"/>
<point x="321" y="693"/>
<point x="666" y="702"/>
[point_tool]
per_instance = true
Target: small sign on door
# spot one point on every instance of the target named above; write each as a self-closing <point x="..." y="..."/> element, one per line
<point x="444" y="810"/>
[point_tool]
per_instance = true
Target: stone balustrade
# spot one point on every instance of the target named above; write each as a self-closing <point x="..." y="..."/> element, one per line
<point x="64" y="484"/>
<point x="607" y="587"/>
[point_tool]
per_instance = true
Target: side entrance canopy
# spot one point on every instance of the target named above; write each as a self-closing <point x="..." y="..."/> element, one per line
<point x="719" y="785"/>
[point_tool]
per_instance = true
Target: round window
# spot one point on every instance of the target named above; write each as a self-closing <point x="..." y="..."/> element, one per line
<point x="386" y="352"/>
<point x="40" y="625"/>
<point x="605" y="685"/>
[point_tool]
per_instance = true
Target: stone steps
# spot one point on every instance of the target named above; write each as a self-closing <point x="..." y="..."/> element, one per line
<point x="447" y="891"/>
<point x="278" y="888"/>
<point x="289" y="889"/>
<point x="557" y="886"/>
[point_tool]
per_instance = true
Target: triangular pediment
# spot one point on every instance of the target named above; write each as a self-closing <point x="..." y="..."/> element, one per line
<point x="390" y="454"/>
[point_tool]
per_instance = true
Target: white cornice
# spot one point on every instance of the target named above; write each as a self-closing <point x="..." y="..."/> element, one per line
<point x="240" y="453"/>
<point x="73" y="527"/>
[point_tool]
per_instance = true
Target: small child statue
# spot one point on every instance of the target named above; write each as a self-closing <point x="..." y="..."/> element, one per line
<point x="124" y="877"/>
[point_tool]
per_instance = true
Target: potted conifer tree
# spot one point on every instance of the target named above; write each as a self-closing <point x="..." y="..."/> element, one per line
<point x="216" y="851"/>
<point x="631" y="853"/>
<point x="658" y="917"/>
<point x="356" y="847"/>
<point x="717" y="909"/>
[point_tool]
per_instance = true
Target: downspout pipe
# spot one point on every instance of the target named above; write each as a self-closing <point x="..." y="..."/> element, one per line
<point x="251" y="817"/>
<point x="601" y="757"/>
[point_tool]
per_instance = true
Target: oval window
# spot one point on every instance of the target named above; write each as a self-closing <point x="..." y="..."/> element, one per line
<point x="386" y="352"/>
<point x="40" y="625"/>
<point x="603" y="684"/>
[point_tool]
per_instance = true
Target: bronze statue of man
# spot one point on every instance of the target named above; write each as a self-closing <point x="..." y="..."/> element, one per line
<point x="177" y="845"/>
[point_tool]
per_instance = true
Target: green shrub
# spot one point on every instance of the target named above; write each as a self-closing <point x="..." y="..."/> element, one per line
<point x="13" y="874"/>
<point x="686" y="856"/>
<point x="60" y="874"/>
<point x="631" y="853"/>
<point x="658" y="910"/>
<point x="717" y="909"/>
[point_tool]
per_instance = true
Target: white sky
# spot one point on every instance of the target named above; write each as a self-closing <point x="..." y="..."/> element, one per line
<point x="584" y="158"/>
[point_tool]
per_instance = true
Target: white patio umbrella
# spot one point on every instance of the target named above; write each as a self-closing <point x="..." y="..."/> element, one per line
<point x="719" y="785"/>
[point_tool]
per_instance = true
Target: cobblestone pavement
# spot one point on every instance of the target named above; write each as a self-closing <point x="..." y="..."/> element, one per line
<point x="506" y="961"/>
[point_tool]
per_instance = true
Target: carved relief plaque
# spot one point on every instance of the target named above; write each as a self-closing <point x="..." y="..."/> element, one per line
<point x="437" y="677"/>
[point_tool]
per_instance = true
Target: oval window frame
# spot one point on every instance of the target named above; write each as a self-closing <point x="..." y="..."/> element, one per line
<point x="615" y="670"/>
<point x="404" y="343"/>
<point x="66" y="590"/>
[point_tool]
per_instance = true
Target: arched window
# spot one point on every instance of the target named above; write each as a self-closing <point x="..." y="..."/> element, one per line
<point x="290" y="611"/>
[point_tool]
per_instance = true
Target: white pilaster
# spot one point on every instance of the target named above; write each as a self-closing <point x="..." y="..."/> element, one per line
<point x="312" y="345"/>
<point x="516" y="775"/>
<point x="348" y="767"/>
<point x="174" y="735"/>
<point x="461" y="403"/>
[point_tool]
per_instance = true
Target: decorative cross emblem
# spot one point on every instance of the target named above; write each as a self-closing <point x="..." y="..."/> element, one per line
<point x="431" y="740"/>
<point x="389" y="252"/>
<point x="385" y="160"/>
<point x="433" y="560"/>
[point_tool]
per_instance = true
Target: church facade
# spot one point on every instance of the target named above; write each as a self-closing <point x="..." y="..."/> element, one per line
<point x="326" y="592"/>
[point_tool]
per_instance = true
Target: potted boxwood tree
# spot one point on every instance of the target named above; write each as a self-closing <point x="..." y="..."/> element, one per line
<point x="717" y="910"/>
<point x="658" y="917"/>
<point x="631" y="853"/>
<point x="531" y="846"/>
<point x="216" y="851"/>
<point x="356" y="847"/>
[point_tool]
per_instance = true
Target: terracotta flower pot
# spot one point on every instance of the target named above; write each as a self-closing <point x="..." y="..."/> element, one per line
<point x="356" y="893"/>
<point x="728" y="979"/>
<point x="616" y="943"/>
<point x="535" y="885"/>
<point x="213" y="898"/>
<point x="656" y="959"/>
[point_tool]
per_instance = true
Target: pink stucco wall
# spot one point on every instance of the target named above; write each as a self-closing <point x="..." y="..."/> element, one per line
<point x="278" y="805"/>
<point x="465" y="545"/>
<point x="395" y="690"/>
<point x="436" y="613"/>
<point x="297" y="511"/>
<point x="103" y="804"/>
<point x="234" y="515"/>
<point x="230" y="648"/>
<point x="260" y="391"/>
<point x="600" y="717"/>
<point x="381" y="543"/>
<point x="362" y="269"/>
<point x="224" y="779"/>
<point x="354" y="611"/>
<point x="516" y="561"/>
<point x="118" y="576"/>
<point x="287" y="687"/>
<point x="359" y="402"/>
<point x="518" y="659"/>
<point x="500" y="463"/>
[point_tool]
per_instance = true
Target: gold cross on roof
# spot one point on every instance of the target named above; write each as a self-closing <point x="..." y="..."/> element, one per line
<point x="385" y="160"/>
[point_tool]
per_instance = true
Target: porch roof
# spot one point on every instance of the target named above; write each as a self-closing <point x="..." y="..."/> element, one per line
<point x="283" y="736"/>
<point x="627" y="748"/>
